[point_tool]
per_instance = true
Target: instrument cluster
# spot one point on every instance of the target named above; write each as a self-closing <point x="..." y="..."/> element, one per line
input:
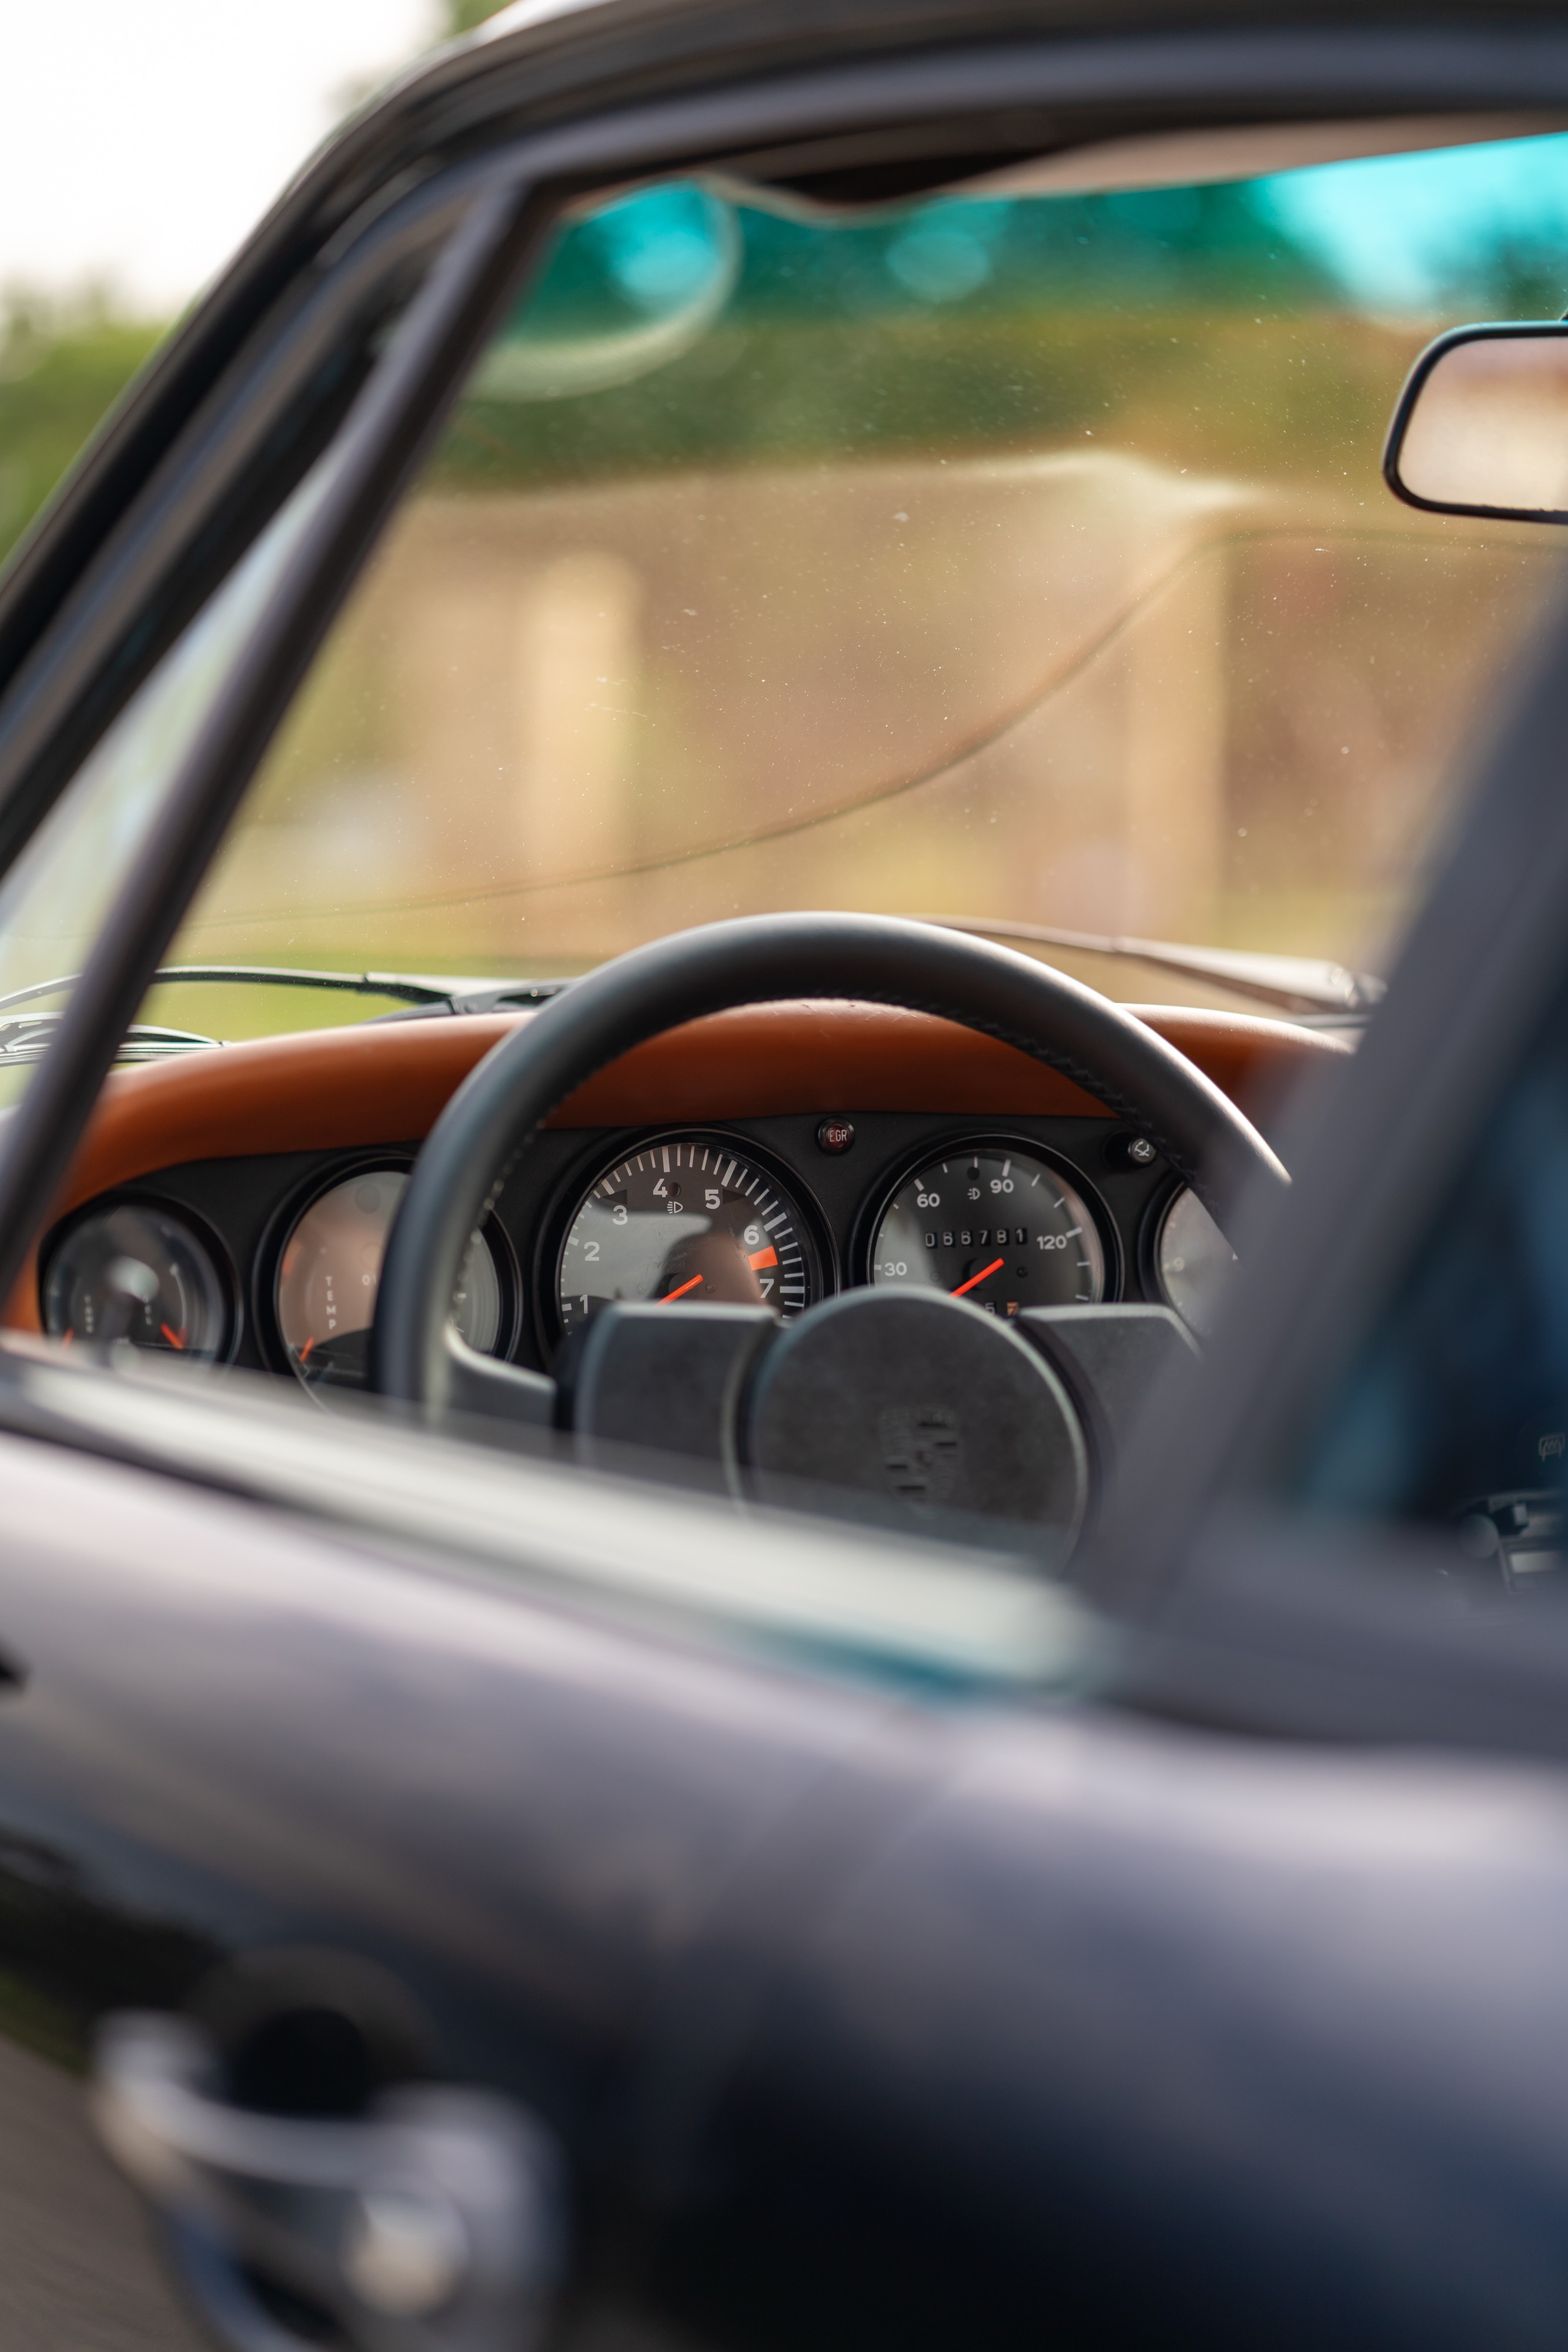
<point x="276" y="1261"/>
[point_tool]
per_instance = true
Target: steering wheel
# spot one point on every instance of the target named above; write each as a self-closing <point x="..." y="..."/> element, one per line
<point x="899" y="1371"/>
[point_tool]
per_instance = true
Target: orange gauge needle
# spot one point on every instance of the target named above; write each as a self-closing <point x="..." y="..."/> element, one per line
<point x="768" y="1257"/>
<point x="682" y="1290"/>
<point x="985" y="1272"/>
<point x="175" y="1338"/>
<point x="305" y="1351"/>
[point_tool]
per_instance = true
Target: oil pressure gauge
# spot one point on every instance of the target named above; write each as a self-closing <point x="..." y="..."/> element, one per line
<point x="329" y="1272"/>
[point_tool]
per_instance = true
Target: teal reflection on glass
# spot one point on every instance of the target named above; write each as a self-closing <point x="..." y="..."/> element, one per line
<point x="1483" y="229"/>
<point x="946" y="250"/>
<point x="625" y="290"/>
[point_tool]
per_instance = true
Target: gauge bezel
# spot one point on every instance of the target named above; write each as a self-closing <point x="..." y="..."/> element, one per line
<point x="299" y="1204"/>
<point x="1151" y="1225"/>
<point x="947" y="1145"/>
<point x="1150" y="1234"/>
<point x="201" y="1231"/>
<point x="572" y="1191"/>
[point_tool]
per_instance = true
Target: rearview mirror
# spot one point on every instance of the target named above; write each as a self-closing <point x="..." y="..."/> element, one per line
<point x="1481" y="427"/>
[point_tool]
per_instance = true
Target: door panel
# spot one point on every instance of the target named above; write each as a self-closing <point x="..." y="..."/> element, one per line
<point x="847" y="2010"/>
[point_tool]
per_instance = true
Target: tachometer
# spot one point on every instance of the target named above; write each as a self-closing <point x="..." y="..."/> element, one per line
<point x="995" y="1224"/>
<point x="689" y="1220"/>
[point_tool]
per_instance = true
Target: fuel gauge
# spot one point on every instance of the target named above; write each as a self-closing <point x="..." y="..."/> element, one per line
<point x="140" y="1275"/>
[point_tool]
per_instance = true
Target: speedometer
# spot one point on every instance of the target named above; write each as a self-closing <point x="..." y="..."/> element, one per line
<point x="690" y="1221"/>
<point x="994" y="1224"/>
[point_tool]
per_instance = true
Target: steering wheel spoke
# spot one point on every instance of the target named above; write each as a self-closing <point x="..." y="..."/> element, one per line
<point x="479" y="1384"/>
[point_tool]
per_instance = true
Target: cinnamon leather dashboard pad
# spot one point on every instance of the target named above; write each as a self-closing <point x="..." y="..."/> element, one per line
<point x="234" y="1146"/>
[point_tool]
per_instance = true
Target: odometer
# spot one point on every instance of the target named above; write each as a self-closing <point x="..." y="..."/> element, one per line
<point x="690" y="1221"/>
<point x="993" y="1224"/>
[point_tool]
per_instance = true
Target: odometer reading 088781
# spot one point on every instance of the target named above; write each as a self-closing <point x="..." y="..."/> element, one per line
<point x="994" y="1225"/>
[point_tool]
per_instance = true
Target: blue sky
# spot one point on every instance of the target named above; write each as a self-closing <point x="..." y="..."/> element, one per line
<point x="1393" y="226"/>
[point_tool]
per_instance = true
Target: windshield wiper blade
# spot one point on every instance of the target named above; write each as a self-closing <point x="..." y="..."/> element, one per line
<point x="27" y="1036"/>
<point x="1290" y="984"/>
<point x="420" y="992"/>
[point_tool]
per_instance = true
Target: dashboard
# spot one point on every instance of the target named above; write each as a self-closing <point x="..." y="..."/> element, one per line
<point x="233" y="1207"/>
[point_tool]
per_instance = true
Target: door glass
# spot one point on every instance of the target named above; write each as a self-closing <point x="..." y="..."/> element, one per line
<point x="54" y="900"/>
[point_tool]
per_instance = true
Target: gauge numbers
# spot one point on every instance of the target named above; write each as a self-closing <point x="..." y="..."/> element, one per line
<point x="994" y="1226"/>
<point x="689" y="1221"/>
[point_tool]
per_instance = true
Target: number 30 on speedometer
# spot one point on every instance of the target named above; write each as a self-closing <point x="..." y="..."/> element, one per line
<point x="994" y="1226"/>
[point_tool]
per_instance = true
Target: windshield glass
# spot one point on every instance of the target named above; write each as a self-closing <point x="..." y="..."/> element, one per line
<point x="1021" y="558"/>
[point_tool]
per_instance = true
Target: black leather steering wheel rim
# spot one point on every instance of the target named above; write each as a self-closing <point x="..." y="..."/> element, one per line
<point x="767" y="959"/>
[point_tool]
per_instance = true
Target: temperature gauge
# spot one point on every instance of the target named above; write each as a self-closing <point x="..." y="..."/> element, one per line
<point x="330" y="1271"/>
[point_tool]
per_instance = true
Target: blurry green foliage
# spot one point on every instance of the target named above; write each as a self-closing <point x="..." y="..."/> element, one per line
<point x="951" y="325"/>
<point x="1517" y="275"/>
<point x="60" y="372"/>
<point x="775" y="391"/>
<point x="462" y="15"/>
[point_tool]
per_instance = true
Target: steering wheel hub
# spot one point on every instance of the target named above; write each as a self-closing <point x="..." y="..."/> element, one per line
<point x="921" y="1400"/>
